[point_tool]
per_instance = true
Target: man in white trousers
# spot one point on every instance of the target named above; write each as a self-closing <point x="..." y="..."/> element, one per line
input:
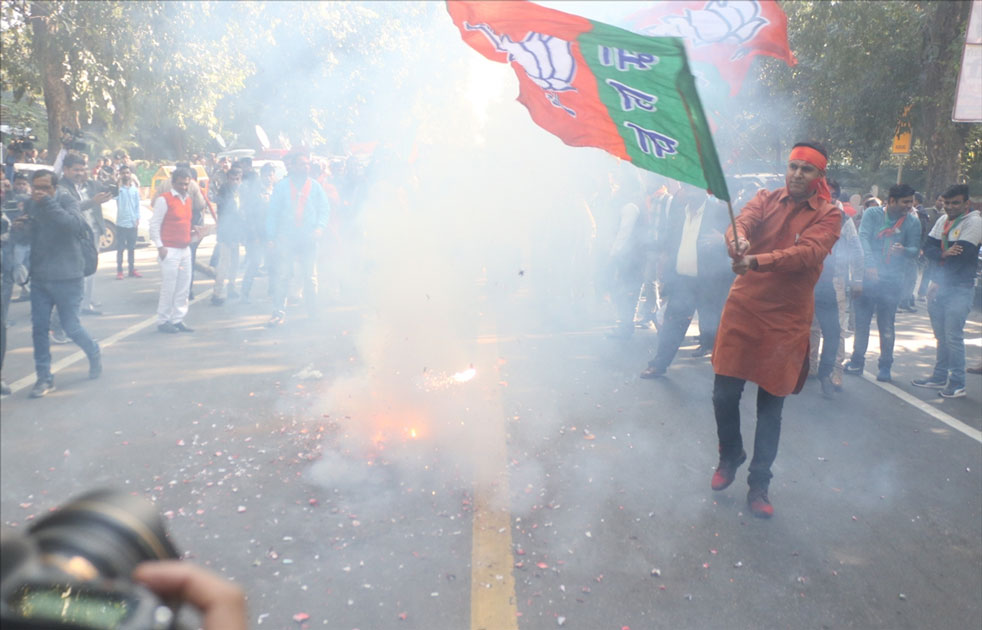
<point x="170" y="232"/>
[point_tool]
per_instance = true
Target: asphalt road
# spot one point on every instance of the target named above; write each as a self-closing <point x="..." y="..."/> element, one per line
<point x="347" y="478"/>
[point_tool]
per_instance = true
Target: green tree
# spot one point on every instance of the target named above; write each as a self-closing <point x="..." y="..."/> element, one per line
<point x="103" y="65"/>
<point x="860" y="64"/>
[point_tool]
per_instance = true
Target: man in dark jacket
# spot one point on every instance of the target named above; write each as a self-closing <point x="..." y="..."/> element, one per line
<point x="56" y="275"/>
<point x="696" y="275"/>
<point x="90" y="196"/>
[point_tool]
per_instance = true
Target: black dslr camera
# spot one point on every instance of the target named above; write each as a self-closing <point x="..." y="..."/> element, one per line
<point x="72" y="568"/>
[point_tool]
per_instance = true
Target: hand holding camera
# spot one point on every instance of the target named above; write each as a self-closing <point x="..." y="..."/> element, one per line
<point x="104" y="561"/>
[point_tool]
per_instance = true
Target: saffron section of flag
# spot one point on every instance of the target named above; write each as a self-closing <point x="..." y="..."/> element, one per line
<point x="592" y="84"/>
<point x="724" y="35"/>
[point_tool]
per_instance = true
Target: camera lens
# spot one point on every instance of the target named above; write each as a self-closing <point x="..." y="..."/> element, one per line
<point x="113" y="531"/>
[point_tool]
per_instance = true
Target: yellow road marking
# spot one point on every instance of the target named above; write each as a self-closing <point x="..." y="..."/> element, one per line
<point x="493" y="605"/>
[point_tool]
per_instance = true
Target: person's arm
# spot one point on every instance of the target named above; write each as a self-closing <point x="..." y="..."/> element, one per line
<point x="965" y="251"/>
<point x="159" y="212"/>
<point x="854" y="249"/>
<point x="221" y="603"/>
<point x="867" y="232"/>
<point x="912" y="236"/>
<point x="932" y="246"/>
<point x="814" y="244"/>
<point x="746" y="224"/>
<point x="59" y="161"/>
<point x="61" y="211"/>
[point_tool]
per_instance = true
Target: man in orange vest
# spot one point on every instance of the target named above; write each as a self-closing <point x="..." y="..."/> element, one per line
<point x="170" y="232"/>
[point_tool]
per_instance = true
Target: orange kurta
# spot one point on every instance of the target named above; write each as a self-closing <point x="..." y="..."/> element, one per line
<point x="763" y="333"/>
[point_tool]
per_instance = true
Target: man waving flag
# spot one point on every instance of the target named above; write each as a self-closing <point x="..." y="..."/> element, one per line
<point x="596" y="85"/>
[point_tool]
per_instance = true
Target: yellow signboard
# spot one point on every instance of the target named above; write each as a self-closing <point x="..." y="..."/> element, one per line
<point x="901" y="143"/>
<point x="903" y="138"/>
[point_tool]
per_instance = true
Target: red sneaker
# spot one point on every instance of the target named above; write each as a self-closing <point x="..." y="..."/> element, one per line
<point x="119" y="275"/>
<point x="136" y="274"/>
<point x="726" y="471"/>
<point x="759" y="504"/>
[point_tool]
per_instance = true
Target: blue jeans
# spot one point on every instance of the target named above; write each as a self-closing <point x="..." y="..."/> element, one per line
<point x="881" y="298"/>
<point x="827" y="313"/>
<point x="66" y="295"/>
<point x="727" y="391"/>
<point x="948" y="311"/>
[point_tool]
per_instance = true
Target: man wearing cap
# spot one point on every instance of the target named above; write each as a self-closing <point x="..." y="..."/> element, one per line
<point x="782" y="237"/>
<point x="295" y="221"/>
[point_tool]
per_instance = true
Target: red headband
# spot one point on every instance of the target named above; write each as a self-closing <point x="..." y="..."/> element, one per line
<point x="817" y="160"/>
<point x="809" y="155"/>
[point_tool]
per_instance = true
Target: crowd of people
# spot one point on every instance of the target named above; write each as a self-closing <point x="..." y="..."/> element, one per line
<point x="777" y="289"/>
<point x="53" y="221"/>
<point x="668" y="243"/>
<point x="801" y="268"/>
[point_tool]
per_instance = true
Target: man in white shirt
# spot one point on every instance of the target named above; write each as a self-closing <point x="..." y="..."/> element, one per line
<point x="170" y="232"/>
<point x="696" y="275"/>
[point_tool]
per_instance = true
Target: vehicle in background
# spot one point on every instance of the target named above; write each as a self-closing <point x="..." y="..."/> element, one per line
<point x="234" y="154"/>
<point x="163" y="173"/>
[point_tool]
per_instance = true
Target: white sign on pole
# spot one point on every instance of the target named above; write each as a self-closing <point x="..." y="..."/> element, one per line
<point x="968" y="95"/>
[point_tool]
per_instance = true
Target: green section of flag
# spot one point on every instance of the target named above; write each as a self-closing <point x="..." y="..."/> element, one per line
<point x="650" y="94"/>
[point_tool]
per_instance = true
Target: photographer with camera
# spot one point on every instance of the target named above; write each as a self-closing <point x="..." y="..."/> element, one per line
<point x="105" y="560"/>
<point x="13" y="207"/>
<point x="57" y="272"/>
<point x="90" y="197"/>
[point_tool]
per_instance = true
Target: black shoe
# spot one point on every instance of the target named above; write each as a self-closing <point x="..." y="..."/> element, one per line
<point x="4" y="389"/>
<point x="702" y="351"/>
<point x="41" y="388"/>
<point x="167" y="327"/>
<point x="59" y="337"/>
<point x="95" y="364"/>
<point x="217" y="301"/>
<point x="90" y="311"/>
<point x="180" y="327"/>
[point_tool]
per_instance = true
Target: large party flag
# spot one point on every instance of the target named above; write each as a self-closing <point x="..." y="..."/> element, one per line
<point x="723" y="35"/>
<point x="596" y="85"/>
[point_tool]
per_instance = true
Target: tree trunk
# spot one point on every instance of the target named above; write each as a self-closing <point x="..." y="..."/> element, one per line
<point x="944" y="38"/>
<point x="45" y="51"/>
